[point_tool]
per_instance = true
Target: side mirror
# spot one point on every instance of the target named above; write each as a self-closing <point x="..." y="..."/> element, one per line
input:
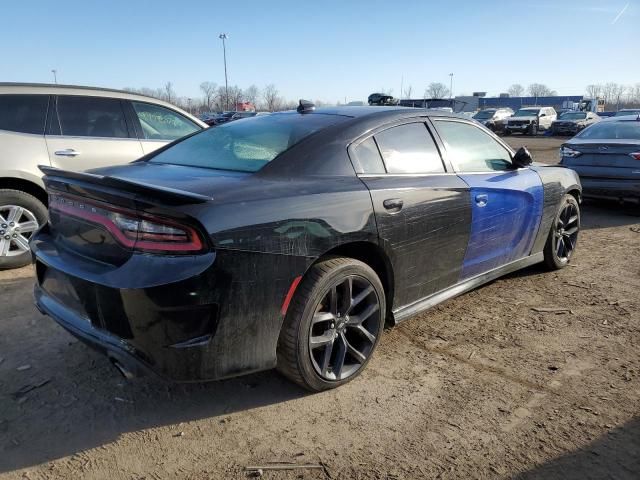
<point x="522" y="158"/>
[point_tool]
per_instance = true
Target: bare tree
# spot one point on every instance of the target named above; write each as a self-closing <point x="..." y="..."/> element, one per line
<point x="235" y="96"/>
<point x="594" y="90"/>
<point x="607" y="92"/>
<point x="617" y="92"/>
<point x="407" y="92"/>
<point x="209" y="91"/>
<point x="252" y="94"/>
<point x="169" y="93"/>
<point x="270" y="97"/>
<point x="516" y="90"/>
<point x="540" y="90"/>
<point x="436" y="90"/>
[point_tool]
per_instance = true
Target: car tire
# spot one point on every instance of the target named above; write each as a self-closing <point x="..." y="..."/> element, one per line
<point x="563" y="235"/>
<point x="18" y="208"/>
<point x="533" y="129"/>
<point x="333" y="324"/>
<point x="506" y="132"/>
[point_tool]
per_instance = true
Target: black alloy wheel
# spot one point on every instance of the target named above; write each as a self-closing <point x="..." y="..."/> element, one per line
<point x="333" y="324"/>
<point x="563" y="237"/>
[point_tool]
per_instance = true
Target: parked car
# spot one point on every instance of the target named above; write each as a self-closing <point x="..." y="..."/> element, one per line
<point x="290" y="239"/>
<point x="494" y="119"/>
<point x="241" y="115"/>
<point x="607" y="158"/>
<point x="531" y="120"/>
<point x="570" y="123"/>
<point x="627" y="111"/>
<point x="73" y="128"/>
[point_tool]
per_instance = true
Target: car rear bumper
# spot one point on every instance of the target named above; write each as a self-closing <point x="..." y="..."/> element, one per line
<point x="189" y="318"/>
<point x="612" y="189"/>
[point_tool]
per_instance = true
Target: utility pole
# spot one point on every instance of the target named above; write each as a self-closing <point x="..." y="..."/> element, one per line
<point x="223" y="37"/>
<point x="450" y="85"/>
<point x="55" y="76"/>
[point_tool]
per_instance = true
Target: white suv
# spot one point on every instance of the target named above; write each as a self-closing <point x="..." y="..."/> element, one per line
<point x="531" y="120"/>
<point x="73" y="128"/>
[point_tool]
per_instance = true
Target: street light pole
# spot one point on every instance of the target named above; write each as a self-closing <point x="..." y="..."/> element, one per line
<point x="223" y="37"/>
<point x="450" y="85"/>
<point x="55" y="76"/>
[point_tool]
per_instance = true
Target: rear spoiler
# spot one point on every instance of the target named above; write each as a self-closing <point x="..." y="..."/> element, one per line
<point x="166" y="194"/>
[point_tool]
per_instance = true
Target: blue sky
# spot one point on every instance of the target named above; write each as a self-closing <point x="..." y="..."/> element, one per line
<point x="328" y="50"/>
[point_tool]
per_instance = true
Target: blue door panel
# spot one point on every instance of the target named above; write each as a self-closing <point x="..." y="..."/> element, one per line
<point x="506" y="208"/>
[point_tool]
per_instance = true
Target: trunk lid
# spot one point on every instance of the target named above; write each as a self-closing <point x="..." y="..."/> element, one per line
<point x="610" y="157"/>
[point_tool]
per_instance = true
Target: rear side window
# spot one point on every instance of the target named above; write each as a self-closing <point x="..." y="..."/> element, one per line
<point x="369" y="157"/>
<point x="160" y="123"/>
<point x="92" y="117"/>
<point x="409" y="149"/>
<point x="23" y="113"/>
<point x="470" y="149"/>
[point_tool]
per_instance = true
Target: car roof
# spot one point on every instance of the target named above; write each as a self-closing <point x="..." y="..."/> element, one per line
<point x="375" y="111"/>
<point x="57" y="89"/>
<point x="623" y="118"/>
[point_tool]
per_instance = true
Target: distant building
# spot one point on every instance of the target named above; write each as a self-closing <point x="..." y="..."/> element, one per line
<point x="518" y="102"/>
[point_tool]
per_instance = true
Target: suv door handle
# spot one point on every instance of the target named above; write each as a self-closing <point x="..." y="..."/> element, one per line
<point x="482" y="199"/>
<point x="393" y="204"/>
<point x="68" y="152"/>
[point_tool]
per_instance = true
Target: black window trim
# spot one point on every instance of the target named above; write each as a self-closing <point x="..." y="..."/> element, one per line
<point x="483" y="130"/>
<point x="138" y="126"/>
<point x="54" y="128"/>
<point x="353" y="156"/>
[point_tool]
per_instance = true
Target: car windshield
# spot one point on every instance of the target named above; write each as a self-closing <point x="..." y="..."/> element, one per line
<point x="526" y="113"/>
<point x="484" y="115"/>
<point x="622" y="113"/>
<point x="621" y="130"/>
<point x="248" y="145"/>
<point x="573" y="116"/>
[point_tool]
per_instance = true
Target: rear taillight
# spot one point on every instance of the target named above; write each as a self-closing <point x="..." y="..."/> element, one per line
<point x="569" y="152"/>
<point x="635" y="155"/>
<point x="133" y="230"/>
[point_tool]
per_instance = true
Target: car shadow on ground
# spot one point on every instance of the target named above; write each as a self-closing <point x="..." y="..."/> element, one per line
<point x="614" y="455"/>
<point x="604" y="214"/>
<point x="71" y="399"/>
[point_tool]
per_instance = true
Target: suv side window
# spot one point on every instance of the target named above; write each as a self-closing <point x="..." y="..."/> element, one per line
<point x="160" y="123"/>
<point x="470" y="149"/>
<point x="23" y="113"/>
<point x="91" y="117"/>
<point x="409" y="148"/>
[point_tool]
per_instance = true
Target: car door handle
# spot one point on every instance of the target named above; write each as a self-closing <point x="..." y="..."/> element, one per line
<point x="482" y="199"/>
<point x="67" y="152"/>
<point x="393" y="204"/>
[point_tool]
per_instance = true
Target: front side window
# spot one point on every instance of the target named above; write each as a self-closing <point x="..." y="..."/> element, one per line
<point x="248" y="145"/>
<point x="409" y="149"/>
<point x="160" y="123"/>
<point x="23" y="113"/>
<point x="91" y="117"/>
<point x="470" y="149"/>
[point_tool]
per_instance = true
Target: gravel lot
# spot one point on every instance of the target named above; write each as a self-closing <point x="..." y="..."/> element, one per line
<point x="482" y="386"/>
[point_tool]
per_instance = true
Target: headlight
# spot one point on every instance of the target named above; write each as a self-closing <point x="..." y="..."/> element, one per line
<point x="569" y="152"/>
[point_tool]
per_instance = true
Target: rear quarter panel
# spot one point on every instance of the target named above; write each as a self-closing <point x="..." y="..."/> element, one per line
<point x="20" y="155"/>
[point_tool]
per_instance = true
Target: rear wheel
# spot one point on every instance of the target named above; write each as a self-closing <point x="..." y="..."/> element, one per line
<point x="333" y="324"/>
<point x="21" y="215"/>
<point x="563" y="236"/>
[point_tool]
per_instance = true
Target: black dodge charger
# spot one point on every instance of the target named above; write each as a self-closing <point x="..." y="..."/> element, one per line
<point x="289" y="240"/>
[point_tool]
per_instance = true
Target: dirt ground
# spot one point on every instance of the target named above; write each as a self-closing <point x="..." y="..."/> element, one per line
<point x="482" y="386"/>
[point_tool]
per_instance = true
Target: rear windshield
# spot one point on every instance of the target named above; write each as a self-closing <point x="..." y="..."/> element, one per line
<point x="623" y="130"/>
<point x="623" y="113"/>
<point x="248" y="145"/>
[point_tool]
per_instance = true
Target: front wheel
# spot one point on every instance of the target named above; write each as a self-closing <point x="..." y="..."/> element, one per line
<point x="21" y="215"/>
<point x="333" y="324"/>
<point x="563" y="235"/>
<point x="533" y="129"/>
